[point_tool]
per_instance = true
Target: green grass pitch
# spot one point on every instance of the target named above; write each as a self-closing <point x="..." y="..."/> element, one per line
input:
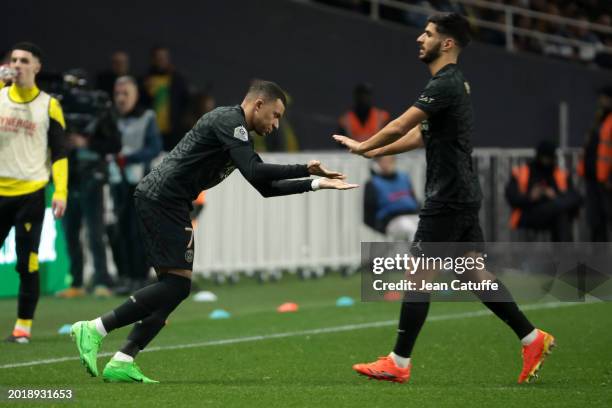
<point x="260" y="358"/>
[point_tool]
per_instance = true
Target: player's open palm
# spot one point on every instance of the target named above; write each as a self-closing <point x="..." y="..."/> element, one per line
<point x="336" y="184"/>
<point x="347" y="142"/>
<point x="316" y="169"/>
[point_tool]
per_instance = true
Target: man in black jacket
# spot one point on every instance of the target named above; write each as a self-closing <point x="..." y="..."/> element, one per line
<point x="542" y="196"/>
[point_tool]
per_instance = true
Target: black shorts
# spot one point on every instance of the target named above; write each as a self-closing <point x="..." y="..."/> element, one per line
<point x="167" y="234"/>
<point x="27" y="213"/>
<point x="460" y="229"/>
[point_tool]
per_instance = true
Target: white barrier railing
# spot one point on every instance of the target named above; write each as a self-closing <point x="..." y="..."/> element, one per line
<point x="240" y="231"/>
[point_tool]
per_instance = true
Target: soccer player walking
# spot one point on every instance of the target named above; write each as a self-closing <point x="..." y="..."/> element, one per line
<point x="218" y="143"/>
<point x="441" y="121"/>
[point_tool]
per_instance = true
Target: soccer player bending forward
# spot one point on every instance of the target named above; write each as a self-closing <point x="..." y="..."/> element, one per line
<point x="441" y="121"/>
<point x="218" y="143"/>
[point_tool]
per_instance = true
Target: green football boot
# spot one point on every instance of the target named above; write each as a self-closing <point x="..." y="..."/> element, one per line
<point x="123" y="371"/>
<point x="88" y="341"/>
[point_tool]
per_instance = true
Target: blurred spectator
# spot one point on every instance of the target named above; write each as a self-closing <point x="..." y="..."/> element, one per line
<point x="524" y="42"/>
<point x="555" y="48"/>
<point x="140" y="143"/>
<point x="542" y="196"/>
<point x="419" y="19"/>
<point x="389" y="205"/>
<point x="165" y="91"/>
<point x="586" y="52"/>
<point x="539" y="5"/>
<point x="87" y="176"/>
<point x="364" y="119"/>
<point x="604" y="59"/>
<point x="200" y="104"/>
<point x="596" y="168"/>
<point x="490" y="35"/>
<point x="120" y="66"/>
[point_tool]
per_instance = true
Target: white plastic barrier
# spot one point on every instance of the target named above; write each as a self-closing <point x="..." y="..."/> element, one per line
<point x="240" y="231"/>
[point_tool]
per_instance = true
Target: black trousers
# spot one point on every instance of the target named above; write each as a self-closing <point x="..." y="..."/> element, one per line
<point x="26" y="213"/>
<point x="126" y="241"/>
<point x="554" y="215"/>
<point x="86" y="203"/>
<point x="598" y="210"/>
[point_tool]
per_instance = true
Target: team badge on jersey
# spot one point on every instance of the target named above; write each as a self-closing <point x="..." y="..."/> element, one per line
<point x="241" y="133"/>
<point x="189" y="255"/>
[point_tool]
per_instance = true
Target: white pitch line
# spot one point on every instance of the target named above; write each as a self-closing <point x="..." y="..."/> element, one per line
<point x="324" y="330"/>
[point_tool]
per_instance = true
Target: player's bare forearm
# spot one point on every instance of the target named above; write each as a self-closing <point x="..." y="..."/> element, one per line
<point x="410" y="141"/>
<point x="394" y="130"/>
<point x="387" y="135"/>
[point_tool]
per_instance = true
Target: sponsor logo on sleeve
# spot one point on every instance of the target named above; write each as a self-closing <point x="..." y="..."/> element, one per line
<point x="426" y="99"/>
<point x="241" y="133"/>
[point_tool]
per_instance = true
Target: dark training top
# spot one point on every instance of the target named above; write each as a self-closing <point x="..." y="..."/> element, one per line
<point x="217" y="144"/>
<point x="452" y="184"/>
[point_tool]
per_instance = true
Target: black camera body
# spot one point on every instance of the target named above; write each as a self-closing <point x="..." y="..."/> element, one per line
<point x="81" y="104"/>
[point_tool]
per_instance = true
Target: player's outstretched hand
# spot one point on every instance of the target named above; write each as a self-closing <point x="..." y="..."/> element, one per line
<point x="335" y="184"/>
<point x="352" y="145"/>
<point x="316" y="169"/>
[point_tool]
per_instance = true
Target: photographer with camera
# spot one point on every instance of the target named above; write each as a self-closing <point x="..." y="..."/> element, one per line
<point x="31" y="125"/>
<point x="92" y="135"/>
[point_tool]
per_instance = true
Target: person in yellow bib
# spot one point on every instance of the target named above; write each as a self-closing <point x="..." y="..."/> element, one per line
<point x="32" y="148"/>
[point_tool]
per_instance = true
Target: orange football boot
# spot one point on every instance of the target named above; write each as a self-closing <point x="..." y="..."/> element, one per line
<point x="384" y="369"/>
<point x="534" y="355"/>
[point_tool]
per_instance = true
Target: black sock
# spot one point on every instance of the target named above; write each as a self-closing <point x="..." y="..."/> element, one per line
<point x="146" y="330"/>
<point x="29" y="292"/>
<point x="508" y="310"/>
<point x="143" y="332"/>
<point x="148" y="300"/>
<point x="412" y="316"/>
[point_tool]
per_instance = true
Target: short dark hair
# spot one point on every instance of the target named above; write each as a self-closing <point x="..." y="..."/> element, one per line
<point x="363" y="88"/>
<point x="546" y="148"/>
<point x="453" y="25"/>
<point x="30" y="47"/>
<point x="158" y="47"/>
<point x="606" y="91"/>
<point x="268" y="89"/>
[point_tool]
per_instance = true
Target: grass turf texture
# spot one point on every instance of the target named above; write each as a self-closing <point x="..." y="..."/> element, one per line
<point x="471" y="361"/>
